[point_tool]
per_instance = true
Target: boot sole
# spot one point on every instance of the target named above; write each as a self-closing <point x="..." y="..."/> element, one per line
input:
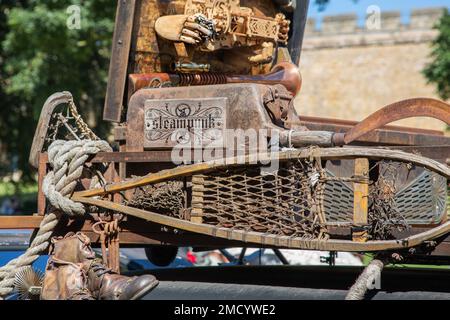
<point x="145" y="290"/>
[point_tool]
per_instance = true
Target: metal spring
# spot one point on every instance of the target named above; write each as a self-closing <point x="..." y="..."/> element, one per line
<point x="201" y="79"/>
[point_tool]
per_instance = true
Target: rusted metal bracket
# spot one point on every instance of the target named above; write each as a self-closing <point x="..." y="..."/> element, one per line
<point x="418" y="107"/>
<point x="109" y="241"/>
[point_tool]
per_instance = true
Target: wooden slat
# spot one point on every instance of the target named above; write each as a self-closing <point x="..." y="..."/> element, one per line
<point x="42" y="170"/>
<point x="361" y="200"/>
<point x="119" y="60"/>
<point x="197" y="199"/>
<point x="20" y="222"/>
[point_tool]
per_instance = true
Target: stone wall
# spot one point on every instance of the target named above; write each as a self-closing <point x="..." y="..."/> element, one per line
<point x="350" y="72"/>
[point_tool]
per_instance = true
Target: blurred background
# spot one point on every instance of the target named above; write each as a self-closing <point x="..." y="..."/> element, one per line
<point x="358" y="56"/>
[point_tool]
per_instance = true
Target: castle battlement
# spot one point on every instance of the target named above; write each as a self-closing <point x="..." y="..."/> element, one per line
<point x="344" y="30"/>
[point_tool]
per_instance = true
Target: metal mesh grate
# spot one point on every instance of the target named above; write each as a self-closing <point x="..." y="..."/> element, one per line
<point x="338" y="202"/>
<point x="420" y="200"/>
<point x="424" y="200"/>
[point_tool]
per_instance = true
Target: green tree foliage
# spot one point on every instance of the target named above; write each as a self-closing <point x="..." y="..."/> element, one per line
<point x="438" y="71"/>
<point x="8" y="137"/>
<point x="40" y="55"/>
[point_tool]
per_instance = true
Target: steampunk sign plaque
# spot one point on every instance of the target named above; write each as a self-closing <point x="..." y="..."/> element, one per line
<point x="195" y="123"/>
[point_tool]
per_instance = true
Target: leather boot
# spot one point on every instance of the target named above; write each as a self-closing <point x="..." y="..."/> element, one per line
<point x="73" y="273"/>
<point x="104" y="284"/>
<point x="65" y="278"/>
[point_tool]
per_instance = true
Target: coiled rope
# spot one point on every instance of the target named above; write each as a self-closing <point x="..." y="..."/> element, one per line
<point x="67" y="159"/>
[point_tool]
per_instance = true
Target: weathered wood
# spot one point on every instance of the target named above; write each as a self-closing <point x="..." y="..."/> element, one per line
<point x="361" y="200"/>
<point x="42" y="171"/>
<point x="119" y="60"/>
<point x="440" y="153"/>
<point x="299" y="19"/>
<point x="120" y="132"/>
<point x="20" y="222"/>
<point x="170" y="27"/>
<point x="197" y="199"/>
<point x="44" y="120"/>
<point x="299" y="139"/>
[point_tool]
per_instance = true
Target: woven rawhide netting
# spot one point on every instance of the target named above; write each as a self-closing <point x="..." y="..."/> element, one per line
<point x="384" y="213"/>
<point x="303" y="198"/>
<point x="288" y="202"/>
<point x="166" y="198"/>
<point x="402" y="195"/>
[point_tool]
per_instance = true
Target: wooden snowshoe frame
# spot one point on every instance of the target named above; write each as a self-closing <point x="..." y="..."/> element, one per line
<point x="90" y="197"/>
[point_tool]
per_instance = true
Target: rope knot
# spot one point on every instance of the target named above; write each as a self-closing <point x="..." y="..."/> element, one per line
<point x="67" y="159"/>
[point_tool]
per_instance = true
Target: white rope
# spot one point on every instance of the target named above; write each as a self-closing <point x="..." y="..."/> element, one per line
<point x="365" y="282"/>
<point x="67" y="159"/>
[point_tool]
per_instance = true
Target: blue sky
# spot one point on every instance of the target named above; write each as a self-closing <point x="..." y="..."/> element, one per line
<point x="359" y="7"/>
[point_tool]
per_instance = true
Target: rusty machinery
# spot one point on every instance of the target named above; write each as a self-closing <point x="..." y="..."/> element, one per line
<point x="231" y="66"/>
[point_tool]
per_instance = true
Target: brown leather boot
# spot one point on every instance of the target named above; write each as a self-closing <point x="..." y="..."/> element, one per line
<point x="65" y="278"/>
<point x="73" y="273"/>
<point x="65" y="282"/>
<point x="104" y="284"/>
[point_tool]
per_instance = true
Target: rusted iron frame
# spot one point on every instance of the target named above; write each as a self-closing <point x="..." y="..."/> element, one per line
<point x="134" y="232"/>
<point x="387" y="136"/>
<point x="141" y="227"/>
<point x="20" y="222"/>
<point x="345" y="124"/>
<point x="417" y="107"/>
<point x="33" y="221"/>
